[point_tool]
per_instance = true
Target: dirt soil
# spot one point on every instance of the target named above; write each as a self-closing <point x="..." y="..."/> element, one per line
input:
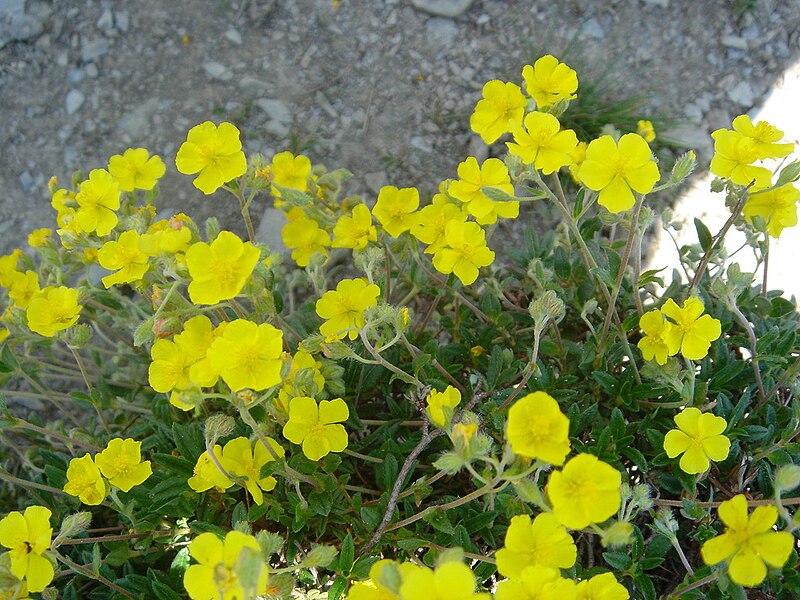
<point x="381" y="87"/>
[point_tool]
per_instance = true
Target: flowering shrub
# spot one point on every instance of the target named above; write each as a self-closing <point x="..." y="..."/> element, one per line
<point x="190" y="414"/>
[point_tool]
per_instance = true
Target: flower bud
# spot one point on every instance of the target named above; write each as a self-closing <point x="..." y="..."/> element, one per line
<point x="619" y="534"/>
<point x="73" y="525"/>
<point x="683" y="167"/>
<point x="218" y="426"/>
<point x="787" y="478"/>
<point x="546" y="308"/>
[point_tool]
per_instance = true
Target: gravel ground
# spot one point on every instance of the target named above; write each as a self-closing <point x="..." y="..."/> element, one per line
<point x="381" y="87"/>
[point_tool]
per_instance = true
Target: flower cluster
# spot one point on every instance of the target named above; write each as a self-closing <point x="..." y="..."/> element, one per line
<point x="239" y="461"/>
<point x="674" y="329"/>
<point x="120" y="465"/>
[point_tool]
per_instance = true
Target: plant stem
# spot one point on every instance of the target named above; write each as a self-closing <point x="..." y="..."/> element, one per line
<point x="425" y="440"/>
<point x="8" y="477"/>
<point x="750" y="503"/>
<point x="22" y="424"/>
<point x="407" y="377"/>
<point x="714" y="242"/>
<point x="626" y="254"/>
<point x="92" y="575"/>
<point x="693" y="586"/>
<point x="95" y="402"/>
<point x="766" y="266"/>
<point x="751" y="334"/>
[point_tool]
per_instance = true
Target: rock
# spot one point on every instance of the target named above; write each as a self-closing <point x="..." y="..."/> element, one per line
<point x="742" y="94"/>
<point x="233" y="36"/>
<point x="661" y="3"/>
<point x="443" y="8"/>
<point x="26" y="181"/>
<point x="250" y="86"/>
<point x="692" y="137"/>
<point x="421" y="143"/>
<point x="375" y="181"/>
<point x="275" y="110"/>
<point x="135" y="124"/>
<point x="15" y="24"/>
<point x="92" y="49"/>
<point x="75" y="76"/>
<point x="441" y="31"/>
<point x="122" y="21"/>
<point x="217" y="70"/>
<point x="593" y="29"/>
<point x="269" y="229"/>
<point x="734" y="41"/>
<point x="92" y="70"/>
<point x="75" y="100"/>
<point x="106" y="21"/>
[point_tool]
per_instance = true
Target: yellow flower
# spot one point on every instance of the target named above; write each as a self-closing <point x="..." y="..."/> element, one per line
<point x="601" y="587"/>
<point x="53" y="309"/>
<point x="749" y="543"/>
<point x="469" y="189"/>
<point x="27" y="538"/>
<point x="441" y="405"/>
<point x="542" y="143"/>
<point x="219" y="270"/>
<point x="355" y="231"/>
<point x="169" y="368"/>
<point x="343" y="308"/>
<point x="8" y="266"/>
<point x="290" y="171"/>
<point x="121" y="463"/>
<point x="616" y="170"/>
<point x="248" y="355"/>
<point x="699" y="437"/>
<point x="543" y="542"/>
<point x="97" y="198"/>
<point x="450" y="581"/>
<point x="229" y="570"/>
<point x="317" y="428"/>
<point x="304" y="379"/>
<point x="123" y="254"/>
<point x="646" y="130"/>
<point x="167" y="236"/>
<point x="135" y="169"/>
<point x="549" y="81"/>
<point x="734" y="154"/>
<point x="215" y="153"/>
<point x="85" y="481"/>
<point x="659" y="339"/>
<point x="39" y="237"/>
<point x="395" y="208"/>
<point x="501" y="107"/>
<point x="577" y="156"/>
<point x="242" y="459"/>
<point x="206" y="473"/>
<point x="304" y="237"/>
<point x="465" y="251"/>
<point x="764" y="137"/>
<point x="203" y="372"/>
<point x="695" y="332"/>
<point x="538" y="429"/>
<point x="4" y="333"/>
<point x="24" y="286"/>
<point x="536" y="583"/>
<point x="777" y="207"/>
<point x="385" y="578"/>
<point x="585" y="491"/>
<point x="433" y="220"/>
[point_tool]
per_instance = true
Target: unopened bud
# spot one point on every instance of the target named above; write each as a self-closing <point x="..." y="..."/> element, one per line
<point x="619" y="534"/>
<point x="787" y="478"/>
<point x="73" y="525"/>
<point x="683" y="167"/>
<point x="548" y="307"/>
<point x="218" y="426"/>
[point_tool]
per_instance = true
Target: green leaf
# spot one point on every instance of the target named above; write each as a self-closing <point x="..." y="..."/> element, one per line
<point x="346" y="555"/>
<point x="618" y="560"/>
<point x="338" y="588"/>
<point x="164" y="592"/>
<point x="703" y="234"/>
